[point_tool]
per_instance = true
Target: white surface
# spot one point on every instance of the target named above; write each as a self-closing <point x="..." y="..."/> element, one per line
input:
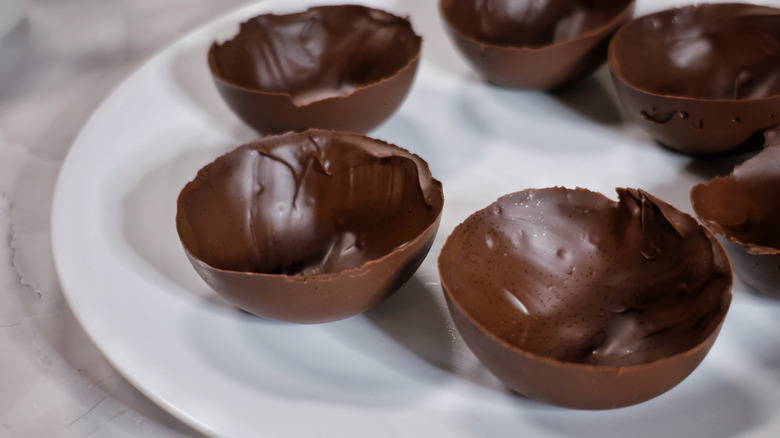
<point x="400" y="369"/>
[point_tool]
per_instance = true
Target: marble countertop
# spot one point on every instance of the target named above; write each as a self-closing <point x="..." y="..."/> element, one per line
<point x="56" y="65"/>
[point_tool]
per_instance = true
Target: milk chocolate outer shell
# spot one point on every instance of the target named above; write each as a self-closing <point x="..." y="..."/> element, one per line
<point x="309" y="227"/>
<point x="743" y="207"/>
<point x="760" y="271"/>
<point x="576" y="300"/>
<point x="539" y="45"/>
<point x="343" y="67"/>
<point x="701" y="79"/>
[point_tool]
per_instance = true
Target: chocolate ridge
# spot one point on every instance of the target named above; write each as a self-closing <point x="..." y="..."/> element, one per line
<point x="747" y="192"/>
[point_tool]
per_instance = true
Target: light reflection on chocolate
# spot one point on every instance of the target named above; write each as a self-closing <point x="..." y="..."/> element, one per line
<point x="322" y="208"/>
<point x="532" y="24"/>
<point x="344" y="67"/>
<point x="716" y="64"/>
<point x="534" y="44"/>
<point x="725" y="51"/>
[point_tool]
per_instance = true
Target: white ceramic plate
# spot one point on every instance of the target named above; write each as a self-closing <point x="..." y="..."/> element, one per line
<point x="399" y="370"/>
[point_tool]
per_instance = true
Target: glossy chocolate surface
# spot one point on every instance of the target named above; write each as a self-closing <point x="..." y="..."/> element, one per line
<point x="572" y="283"/>
<point x="529" y="23"/>
<point x="726" y="51"/>
<point x="743" y="208"/>
<point x="534" y="44"/>
<point x="302" y="70"/>
<point x="702" y="79"/>
<point x="292" y="221"/>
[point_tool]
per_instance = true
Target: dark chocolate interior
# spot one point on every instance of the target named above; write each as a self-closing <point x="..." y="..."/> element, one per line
<point x="574" y="276"/>
<point x="709" y="51"/>
<point x="745" y="206"/>
<point x="304" y="204"/>
<point x="529" y="23"/>
<point x="323" y="52"/>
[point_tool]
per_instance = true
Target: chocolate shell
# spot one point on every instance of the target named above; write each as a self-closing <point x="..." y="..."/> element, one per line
<point x="576" y="300"/>
<point x="534" y="44"/>
<point x="701" y="79"/>
<point x="743" y="207"/>
<point x="334" y="67"/>
<point x="309" y="227"/>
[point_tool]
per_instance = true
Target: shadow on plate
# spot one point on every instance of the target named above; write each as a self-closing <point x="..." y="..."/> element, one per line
<point x="417" y="320"/>
<point x="756" y="328"/>
<point x="189" y="70"/>
<point x="149" y="223"/>
<point x="707" y="168"/>
<point x="693" y="170"/>
<point x="591" y="98"/>
<point x="713" y="408"/>
<point x="570" y="121"/>
<point x="350" y="362"/>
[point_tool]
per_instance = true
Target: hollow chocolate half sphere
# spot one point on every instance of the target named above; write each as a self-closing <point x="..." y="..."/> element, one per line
<point x="309" y="227"/>
<point x="743" y="207"/>
<point x="576" y="300"/>
<point x="701" y="79"/>
<point x="335" y="67"/>
<point x="534" y="44"/>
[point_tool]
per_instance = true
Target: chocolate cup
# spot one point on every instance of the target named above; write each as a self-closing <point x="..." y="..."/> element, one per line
<point x="546" y="53"/>
<point x="718" y="101"/>
<point x="309" y="227"/>
<point x="743" y="208"/>
<point x="345" y="68"/>
<point x="579" y="301"/>
<point x="759" y="271"/>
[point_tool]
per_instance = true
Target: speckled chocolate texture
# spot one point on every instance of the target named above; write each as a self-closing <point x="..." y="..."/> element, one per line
<point x="344" y="67"/>
<point x="701" y="79"/>
<point x="743" y="207"/>
<point x="310" y="227"/>
<point x="534" y="44"/>
<point x="552" y="285"/>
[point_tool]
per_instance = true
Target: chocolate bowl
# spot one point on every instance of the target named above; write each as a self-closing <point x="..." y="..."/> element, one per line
<point x="335" y="67"/>
<point x="576" y="300"/>
<point x="701" y="79"/>
<point x="533" y="44"/>
<point x="743" y="207"/>
<point x="309" y="227"/>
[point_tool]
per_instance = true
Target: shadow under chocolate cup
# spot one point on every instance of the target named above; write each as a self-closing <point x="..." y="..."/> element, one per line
<point x="576" y="300"/>
<point x="344" y="67"/>
<point x="310" y="227"/>
<point x="532" y="44"/>
<point x="701" y="79"/>
<point x="743" y="207"/>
